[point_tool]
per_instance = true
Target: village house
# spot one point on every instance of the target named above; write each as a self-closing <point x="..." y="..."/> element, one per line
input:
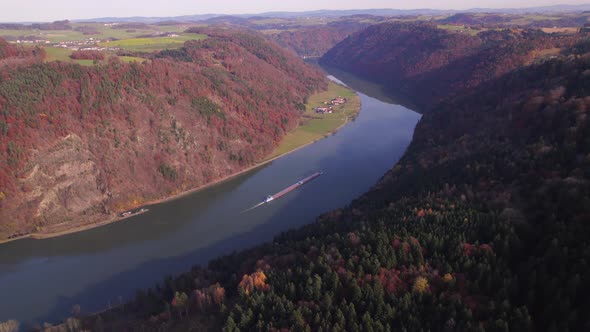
<point x="323" y="110"/>
<point x="338" y="101"/>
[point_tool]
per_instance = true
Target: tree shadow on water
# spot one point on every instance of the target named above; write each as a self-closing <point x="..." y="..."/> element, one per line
<point x="100" y="296"/>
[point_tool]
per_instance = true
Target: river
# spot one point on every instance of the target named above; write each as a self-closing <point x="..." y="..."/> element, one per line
<point x="41" y="280"/>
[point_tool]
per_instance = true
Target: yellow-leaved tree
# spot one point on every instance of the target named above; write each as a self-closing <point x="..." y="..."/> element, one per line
<point x="420" y="285"/>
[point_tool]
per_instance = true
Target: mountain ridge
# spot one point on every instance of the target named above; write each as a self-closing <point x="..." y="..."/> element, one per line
<point x="337" y="13"/>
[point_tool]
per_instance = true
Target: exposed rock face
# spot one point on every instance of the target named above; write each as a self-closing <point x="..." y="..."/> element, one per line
<point x="63" y="181"/>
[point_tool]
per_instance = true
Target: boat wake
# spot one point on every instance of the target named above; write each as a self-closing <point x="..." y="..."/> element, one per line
<point x="252" y="208"/>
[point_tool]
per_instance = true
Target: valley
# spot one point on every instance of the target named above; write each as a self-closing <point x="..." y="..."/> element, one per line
<point x="464" y="210"/>
<point x="111" y="262"/>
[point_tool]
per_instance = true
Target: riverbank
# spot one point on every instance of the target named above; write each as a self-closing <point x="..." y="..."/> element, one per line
<point x="313" y="127"/>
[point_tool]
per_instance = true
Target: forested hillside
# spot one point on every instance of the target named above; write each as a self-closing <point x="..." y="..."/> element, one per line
<point x="414" y="59"/>
<point x="315" y="41"/>
<point x="11" y="54"/>
<point x="79" y="144"/>
<point x="531" y="20"/>
<point x="482" y="226"/>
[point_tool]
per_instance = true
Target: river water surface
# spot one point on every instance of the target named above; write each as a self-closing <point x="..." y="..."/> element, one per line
<point x="40" y="280"/>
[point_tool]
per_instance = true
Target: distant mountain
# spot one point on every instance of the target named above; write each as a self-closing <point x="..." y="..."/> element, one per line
<point x="350" y="12"/>
<point x="316" y="13"/>
<point x="544" y="9"/>
<point x="184" y="18"/>
<point x="229" y="19"/>
<point x="427" y="11"/>
<point x="337" y="13"/>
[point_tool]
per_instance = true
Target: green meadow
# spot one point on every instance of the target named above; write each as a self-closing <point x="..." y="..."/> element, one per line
<point x="99" y="31"/>
<point x="125" y="39"/>
<point x="460" y="29"/>
<point x="153" y="44"/>
<point x="315" y="126"/>
<point x="63" y="54"/>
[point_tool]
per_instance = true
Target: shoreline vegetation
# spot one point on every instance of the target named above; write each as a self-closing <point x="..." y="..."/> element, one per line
<point x="312" y="128"/>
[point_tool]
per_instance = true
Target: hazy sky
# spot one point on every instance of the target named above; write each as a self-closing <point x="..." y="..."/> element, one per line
<point x="50" y="10"/>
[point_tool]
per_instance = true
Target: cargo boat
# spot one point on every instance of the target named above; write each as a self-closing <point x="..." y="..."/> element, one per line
<point x="292" y="187"/>
<point x="132" y="213"/>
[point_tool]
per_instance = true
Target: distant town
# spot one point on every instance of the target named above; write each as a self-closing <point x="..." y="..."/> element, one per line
<point x="329" y="109"/>
<point x="88" y="44"/>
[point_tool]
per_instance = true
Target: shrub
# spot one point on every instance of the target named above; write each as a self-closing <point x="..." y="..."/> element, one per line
<point x="87" y="55"/>
<point x="168" y="172"/>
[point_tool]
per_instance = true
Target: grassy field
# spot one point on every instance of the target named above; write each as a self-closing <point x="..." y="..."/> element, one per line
<point x="63" y="54"/>
<point x="52" y="36"/>
<point x="571" y="30"/>
<point x="316" y="126"/>
<point x="131" y="59"/>
<point x="126" y="39"/>
<point x="128" y="43"/>
<point x="102" y="32"/>
<point x="153" y="44"/>
<point x="460" y="29"/>
<point x="58" y="54"/>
